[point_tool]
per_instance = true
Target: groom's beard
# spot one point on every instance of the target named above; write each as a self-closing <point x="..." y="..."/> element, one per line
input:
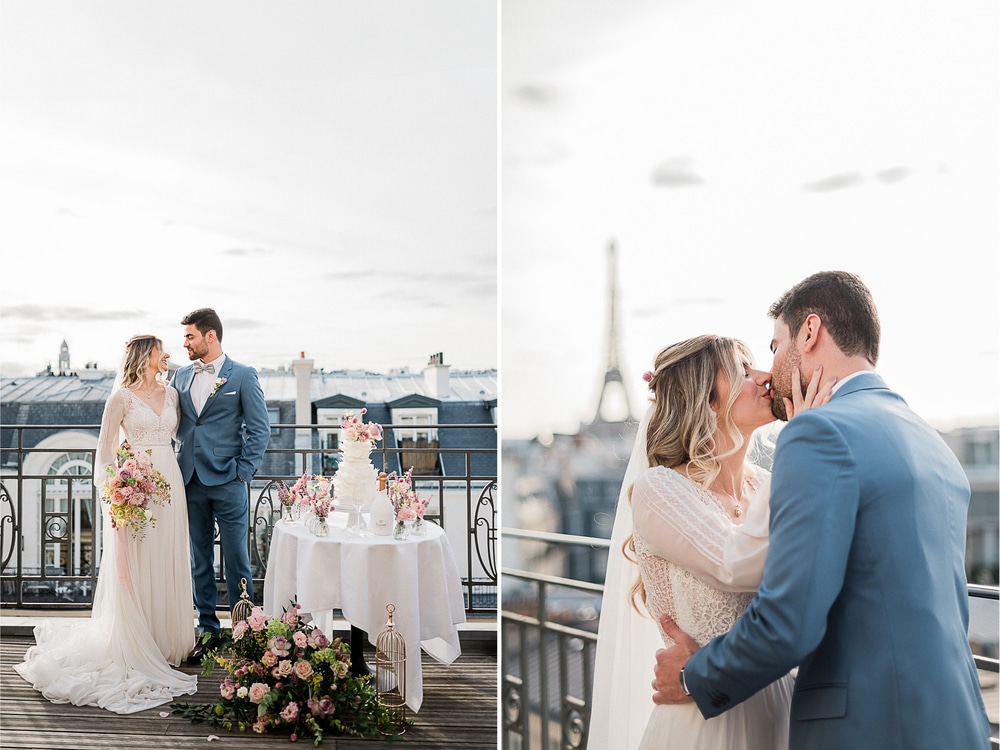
<point x="778" y="406"/>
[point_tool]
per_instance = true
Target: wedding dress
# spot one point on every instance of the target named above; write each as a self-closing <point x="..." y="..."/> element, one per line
<point x="701" y="568"/>
<point x="142" y="619"/>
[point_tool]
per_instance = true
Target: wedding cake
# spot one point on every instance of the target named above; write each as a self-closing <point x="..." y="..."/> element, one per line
<point x="356" y="479"/>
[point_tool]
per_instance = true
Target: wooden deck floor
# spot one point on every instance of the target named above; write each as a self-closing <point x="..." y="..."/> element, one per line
<point x="459" y="711"/>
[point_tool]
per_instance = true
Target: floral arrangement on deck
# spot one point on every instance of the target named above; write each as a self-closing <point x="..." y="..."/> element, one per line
<point x="132" y="485"/>
<point x="284" y="673"/>
<point x="356" y="430"/>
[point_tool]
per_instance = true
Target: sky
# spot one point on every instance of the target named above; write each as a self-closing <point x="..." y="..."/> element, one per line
<point x="321" y="172"/>
<point x="729" y="150"/>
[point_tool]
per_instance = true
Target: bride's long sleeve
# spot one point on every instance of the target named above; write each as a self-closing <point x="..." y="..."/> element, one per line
<point x="110" y="437"/>
<point x="672" y="518"/>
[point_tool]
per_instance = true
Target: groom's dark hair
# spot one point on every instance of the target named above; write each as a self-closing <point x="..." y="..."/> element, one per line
<point x="843" y="303"/>
<point x="205" y="319"/>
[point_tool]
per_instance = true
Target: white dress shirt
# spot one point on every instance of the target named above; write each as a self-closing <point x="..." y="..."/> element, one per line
<point x="203" y="382"/>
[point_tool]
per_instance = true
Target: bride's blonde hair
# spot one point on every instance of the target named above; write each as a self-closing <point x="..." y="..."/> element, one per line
<point x="687" y="415"/>
<point x="137" y="351"/>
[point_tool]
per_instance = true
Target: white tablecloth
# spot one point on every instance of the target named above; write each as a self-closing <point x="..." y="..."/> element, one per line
<point x="360" y="576"/>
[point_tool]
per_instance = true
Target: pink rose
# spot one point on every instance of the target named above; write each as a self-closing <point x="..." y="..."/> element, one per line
<point x="239" y="630"/>
<point x="269" y="659"/>
<point x="279" y="645"/>
<point x="260" y="726"/>
<point x="227" y="689"/>
<point x="317" y="639"/>
<point x="299" y="639"/>
<point x="284" y="668"/>
<point x="303" y="669"/>
<point x="323" y="707"/>
<point x="257" y="620"/>
<point x="289" y="712"/>
<point x="404" y="514"/>
<point x="290" y="618"/>
<point x="257" y="692"/>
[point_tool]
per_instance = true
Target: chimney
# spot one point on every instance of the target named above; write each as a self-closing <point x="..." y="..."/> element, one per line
<point x="302" y="369"/>
<point x="437" y="377"/>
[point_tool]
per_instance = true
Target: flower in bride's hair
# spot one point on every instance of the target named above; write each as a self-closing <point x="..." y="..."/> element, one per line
<point x="647" y="376"/>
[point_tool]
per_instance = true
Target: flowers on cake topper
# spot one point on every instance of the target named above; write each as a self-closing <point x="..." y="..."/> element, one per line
<point x="131" y="487"/>
<point x="355" y="430"/>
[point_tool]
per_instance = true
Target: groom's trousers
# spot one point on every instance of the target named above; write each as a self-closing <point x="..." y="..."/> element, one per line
<point x="227" y="504"/>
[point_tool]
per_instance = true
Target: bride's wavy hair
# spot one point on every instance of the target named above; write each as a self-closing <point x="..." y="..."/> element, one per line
<point x="137" y="351"/>
<point x="686" y="409"/>
<point x="687" y="414"/>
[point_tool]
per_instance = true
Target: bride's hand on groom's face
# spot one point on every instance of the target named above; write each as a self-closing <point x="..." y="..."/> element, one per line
<point x="815" y="395"/>
<point x="669" y="662"/>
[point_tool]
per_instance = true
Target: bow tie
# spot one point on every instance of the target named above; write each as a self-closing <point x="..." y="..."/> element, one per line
<point x="200" y="367"/>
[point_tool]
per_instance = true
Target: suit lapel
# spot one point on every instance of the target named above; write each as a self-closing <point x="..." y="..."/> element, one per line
<point x="182" y="384"/>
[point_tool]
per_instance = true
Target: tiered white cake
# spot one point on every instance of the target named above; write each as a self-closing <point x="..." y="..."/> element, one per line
<point x="356" y="479"/>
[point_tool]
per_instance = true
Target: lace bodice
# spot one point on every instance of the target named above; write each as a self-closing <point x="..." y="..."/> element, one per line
<point x="127" y="416"/>
<point x="697" y="565"/>
<point x="143" y="426"/>
<point x="698" y="609"/>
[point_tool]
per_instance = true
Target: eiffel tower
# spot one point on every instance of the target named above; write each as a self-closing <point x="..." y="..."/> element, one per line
<point x="613" y="373"/>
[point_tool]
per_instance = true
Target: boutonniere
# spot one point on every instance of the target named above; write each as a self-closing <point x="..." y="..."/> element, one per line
<point x="219" y="382"/>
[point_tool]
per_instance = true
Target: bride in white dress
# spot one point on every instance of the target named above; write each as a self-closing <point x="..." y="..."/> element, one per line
<point x="693" y="513"/>
<point x="142" y="618"/>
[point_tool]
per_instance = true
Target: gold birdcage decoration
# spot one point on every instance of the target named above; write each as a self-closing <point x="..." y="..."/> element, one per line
<point x="390" y="671"/>
<point x="244" y="607"/>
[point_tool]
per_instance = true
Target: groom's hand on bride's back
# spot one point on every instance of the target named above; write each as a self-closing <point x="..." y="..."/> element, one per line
<point x="669" y="662"/>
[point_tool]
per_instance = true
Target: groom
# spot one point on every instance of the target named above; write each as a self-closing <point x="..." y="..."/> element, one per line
<point x="864" y="586"/>
<point x="222" y="436"/>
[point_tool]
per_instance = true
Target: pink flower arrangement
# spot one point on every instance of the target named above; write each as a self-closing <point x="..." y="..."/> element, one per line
<point x="284" y="673"/>
<point x="404" y="497"/>
<point x="309" y="491"/>
<point x="131" y="487"/>
<point x="355" y="430"/>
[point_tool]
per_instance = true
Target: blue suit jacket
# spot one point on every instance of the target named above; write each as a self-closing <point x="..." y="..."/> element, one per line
<point x="228" y="439"/>
<point x="864" y="586"/>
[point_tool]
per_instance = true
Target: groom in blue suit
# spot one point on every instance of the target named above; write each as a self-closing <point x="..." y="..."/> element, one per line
<point x="222" y="436"/>
<point x="864" y="585"/>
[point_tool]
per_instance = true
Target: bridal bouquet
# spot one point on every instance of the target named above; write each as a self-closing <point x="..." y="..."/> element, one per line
<point x="131" y="487"/>
<point x="282" y="673"/>
<point x="355" y="430"/>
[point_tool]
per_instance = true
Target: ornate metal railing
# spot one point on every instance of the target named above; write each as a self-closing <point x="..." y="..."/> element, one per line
<point x="549" y="641"/>
<point x="49" y="504"/>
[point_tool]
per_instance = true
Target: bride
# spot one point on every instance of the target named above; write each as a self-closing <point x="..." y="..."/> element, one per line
<point x="693" y="514"/>
<point x="142" y="620"/>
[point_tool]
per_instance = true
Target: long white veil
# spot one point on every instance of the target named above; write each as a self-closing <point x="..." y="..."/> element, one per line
<point x="626" y="640"/>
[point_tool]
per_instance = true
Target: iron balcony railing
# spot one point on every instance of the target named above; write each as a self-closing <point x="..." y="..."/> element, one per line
<point x="50" y="511"/>
<point x="549" y="640"/>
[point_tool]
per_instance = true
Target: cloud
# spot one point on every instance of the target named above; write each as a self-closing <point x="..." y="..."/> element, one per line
<point x="893" y="175"/>
<point x="675" y="173"/>
<point x="38" y="313"/>
<point x="246" y="251"/>
<point x="835" y="182"/>
<point x="538" y="95"/>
